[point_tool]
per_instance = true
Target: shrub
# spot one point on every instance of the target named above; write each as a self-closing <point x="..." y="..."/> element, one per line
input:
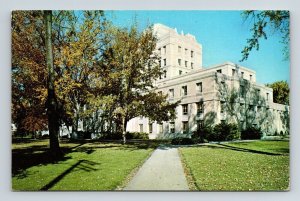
<point x="251" y="133"/>
<point x="225" y="132"/>
<point x="111" y="136"/>
<point x="202" y="134"/>
<point x="137" y="135"/>
<point x="182" y="141"/>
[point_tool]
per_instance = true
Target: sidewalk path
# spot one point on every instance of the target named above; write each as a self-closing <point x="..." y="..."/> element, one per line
<point x="163" y="171"/>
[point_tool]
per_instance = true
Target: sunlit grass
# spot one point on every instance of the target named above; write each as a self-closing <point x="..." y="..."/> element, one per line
<point x="91" y="166"/>
<point x="258" y="166"/>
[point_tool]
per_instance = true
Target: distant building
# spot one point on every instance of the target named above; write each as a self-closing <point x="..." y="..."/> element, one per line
<point x="199" y="90"/>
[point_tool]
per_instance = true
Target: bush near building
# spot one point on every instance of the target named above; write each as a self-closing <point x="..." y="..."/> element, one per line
<point x="220" y="132"/>
<point x="225" y="132"/>
<point x="251" y="133"/>
<point x="137" y="135"/>
<point x="201" y="134"/>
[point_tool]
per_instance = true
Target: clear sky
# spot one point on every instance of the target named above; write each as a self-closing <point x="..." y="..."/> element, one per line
<point x="222" y="34"/>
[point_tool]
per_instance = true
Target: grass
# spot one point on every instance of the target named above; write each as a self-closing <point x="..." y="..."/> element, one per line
<point x="244" y="166"/>
<point x="88" y="166"/>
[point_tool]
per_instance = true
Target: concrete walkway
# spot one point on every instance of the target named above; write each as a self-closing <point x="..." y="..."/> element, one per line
<point x="163" y="171"/>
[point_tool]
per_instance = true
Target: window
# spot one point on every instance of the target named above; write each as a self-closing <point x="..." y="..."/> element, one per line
<point x="179" y="49"/>
<point x="200" y="108"/>
<point x="192" y="54"/>
<point x="242" y="124"/>
<point x="242" y="90"/>
<point x="160" y="128"/>
<point x="222" y="106"/>
<point x="185" y="127"/>
<point x="233" y="72"/>
<point x="185" y="63"/>
<point x="258" y="108"/>
<point x="164" y="49"/>
<point x="185" y="51"/>
<point x="172" y="127"/>
<point x="250" y="77"/>
<point x="160" y="93"/>
<point x="185" y="109"/>
<point x="171" y="93"/>
<point x="150" y="128"/>
<point x="200" y="124"/>
<point x="219" y="71"/>
<point x="192" y="65"/>
<point x="159" y="50"/>
<point x="141" y="128"/>
<point x="165" y="73"/>
<point x="251" y="108"/>
<point x="165" y="62"/>
<point x="242" y="74"/>
<point x="159" y="63"/>
<point x="184" y="90"/>
<point x="267" y="96"/>
<point x="199" y="87"/>
<point x="180" y="72"/>
<point x="179" y="62"/>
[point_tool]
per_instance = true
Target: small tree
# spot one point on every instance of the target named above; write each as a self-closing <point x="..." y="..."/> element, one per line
<point x="133" y="68"/>
<point x="281" y="92"/>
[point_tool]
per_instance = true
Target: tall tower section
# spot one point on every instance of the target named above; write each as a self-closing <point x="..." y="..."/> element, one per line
<point x="180" y="53"/>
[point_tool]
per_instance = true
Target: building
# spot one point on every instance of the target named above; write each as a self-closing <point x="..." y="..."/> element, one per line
<point x="205" y="94"/>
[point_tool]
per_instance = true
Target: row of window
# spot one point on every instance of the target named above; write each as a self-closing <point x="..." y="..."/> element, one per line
<point x="164" y="62"/>
<point x="185" y="63"/>
<point x="243" y="92"/>
<point x="251" y="108"/>
<point x="185" y="127"/>
<point x="163" y="50"/>
<point x="184" y="90"/>
<point x="234" y="72"/>
<point x="186" y="51"/>
<point x="200" y="108"/>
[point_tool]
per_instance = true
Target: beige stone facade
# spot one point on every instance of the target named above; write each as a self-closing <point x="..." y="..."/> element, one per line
<point x="204" y="92"/>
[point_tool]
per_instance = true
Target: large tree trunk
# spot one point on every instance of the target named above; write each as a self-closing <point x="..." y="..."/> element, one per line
<point x="124" y="129"/>
<point x="53" y="122"/>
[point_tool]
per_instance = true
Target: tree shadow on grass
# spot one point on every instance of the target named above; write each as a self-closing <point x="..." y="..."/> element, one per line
<point x="34" y="155"/>
<point x="225" y="146"/>
<point x="26" y="157"/>
<point x="84" y="165"/>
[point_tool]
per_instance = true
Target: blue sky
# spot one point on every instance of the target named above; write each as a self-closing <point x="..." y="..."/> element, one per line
<point x="222" y="34"/>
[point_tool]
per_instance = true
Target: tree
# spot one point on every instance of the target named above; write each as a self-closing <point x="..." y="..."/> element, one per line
<point x="52" y="105"/>
<point x="263" y="22"/>
<point x="77" y="43"/>
<point x="133" y="67"/>
<point x="28" y="71"/>
<point x="280" y="92"/>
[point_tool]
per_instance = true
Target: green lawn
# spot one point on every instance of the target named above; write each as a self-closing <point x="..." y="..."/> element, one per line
<point x="244" y="166"/>
<point x="89" y="166"/>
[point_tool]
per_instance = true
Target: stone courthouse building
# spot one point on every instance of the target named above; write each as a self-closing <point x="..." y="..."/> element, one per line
<point x="225" y="92"/>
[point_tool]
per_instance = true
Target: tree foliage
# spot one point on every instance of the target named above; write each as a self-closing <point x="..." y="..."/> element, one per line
<point x="281" y="92"/>
<point x="263" y="24"/>
<point x="102" y="75"/>
<point x="134" y="68"/>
